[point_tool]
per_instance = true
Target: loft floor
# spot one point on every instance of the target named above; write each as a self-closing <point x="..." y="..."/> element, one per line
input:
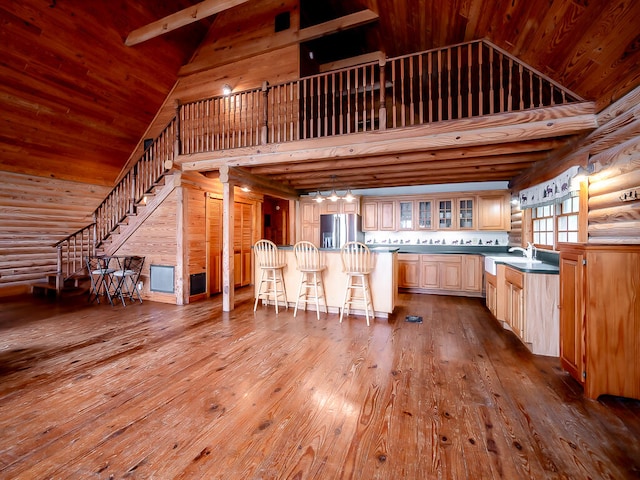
<point x="164" y="391"/>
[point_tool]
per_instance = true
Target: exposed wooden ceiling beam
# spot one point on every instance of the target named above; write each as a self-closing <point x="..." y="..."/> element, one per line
<point x="282" y="39"/>
<point x="264" y="185"/>
<point x="180" y="19"/>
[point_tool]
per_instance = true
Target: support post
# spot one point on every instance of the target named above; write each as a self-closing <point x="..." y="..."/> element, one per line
<point x="228" y="273"/>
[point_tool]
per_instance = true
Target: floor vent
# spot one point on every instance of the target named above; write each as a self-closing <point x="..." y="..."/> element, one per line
<point x="413" y="319"/>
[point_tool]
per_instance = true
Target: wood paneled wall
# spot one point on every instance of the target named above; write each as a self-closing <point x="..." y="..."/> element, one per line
<point x="35" y="213"/>
<point x="230" y="34"/>
<point x="157" y="241"/>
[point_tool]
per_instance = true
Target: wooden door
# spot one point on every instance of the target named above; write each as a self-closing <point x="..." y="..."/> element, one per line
<point x="571" y="314"/>
<point x="242" y="242"/>
<point x="214" y="229"/>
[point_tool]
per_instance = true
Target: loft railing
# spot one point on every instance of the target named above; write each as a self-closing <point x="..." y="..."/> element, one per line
<point x="461" y="81"/>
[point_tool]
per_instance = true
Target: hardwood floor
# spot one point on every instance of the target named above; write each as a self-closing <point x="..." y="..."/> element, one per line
<point x="161" y="391"/>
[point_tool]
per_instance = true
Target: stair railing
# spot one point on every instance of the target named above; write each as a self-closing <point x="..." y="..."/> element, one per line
<point x="71" y="252"/>
<point x="121" y="202"/>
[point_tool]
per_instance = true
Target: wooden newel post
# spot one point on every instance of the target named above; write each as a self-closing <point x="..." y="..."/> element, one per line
<point x="382" y="114"/>
<point x="264" y="134"/>
<point x="178" y="145"/>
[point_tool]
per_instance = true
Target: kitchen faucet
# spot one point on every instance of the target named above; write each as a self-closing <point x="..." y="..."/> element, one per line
<point x="528" y="252"/>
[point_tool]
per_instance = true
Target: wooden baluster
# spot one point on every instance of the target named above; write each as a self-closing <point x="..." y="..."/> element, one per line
<point x="439" y="113"/>
<point x="480" y="84"/>
<point x="264" y="134"/>
<point x="521" y="87"/>
<point x="325" y="80"/>
<point x="459" y="58"/>
<point x="382" y="112"/>
<point x="449" y="82"/>
<point x="403" y="109"/>
<point x="304" y="107"/>
<point x="177" y="137"/>
<point x="412" y="117"/>
<point x="348" y="75"/>
<point x="341" y="102"/>
<point x="356" y="100"/>
<point x="372" y="97"/>
<point x="469" y="82"/>
<point x="540" y="101"/>
<point x="393" y="93"/>
<point x="430" y="82"/>
<point x="531" y="100"/>
<point x="501" y="80"/>
<point x="492" y="93"/>
<point x="333" y="103"/>
<point x="510" y="87"/>
<point x="420" y="90"/>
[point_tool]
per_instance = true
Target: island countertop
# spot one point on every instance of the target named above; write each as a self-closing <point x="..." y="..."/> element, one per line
<point x="383" y="280"/>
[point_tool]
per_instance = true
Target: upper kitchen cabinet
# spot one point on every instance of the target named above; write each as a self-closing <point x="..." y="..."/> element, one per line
<point x="456" y="211"/>
<point x="494" y="212"/>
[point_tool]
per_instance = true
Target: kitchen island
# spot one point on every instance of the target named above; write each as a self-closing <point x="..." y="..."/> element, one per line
<point x="384" y="279"/>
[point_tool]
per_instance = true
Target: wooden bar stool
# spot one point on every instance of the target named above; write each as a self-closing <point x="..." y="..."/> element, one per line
<point x="271" y="275"/>
<point x="311" y="288"/>
<point x="356" y="262"/>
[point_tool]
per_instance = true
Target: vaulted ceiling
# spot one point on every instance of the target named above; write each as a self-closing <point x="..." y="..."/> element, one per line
<point x="76" y="101"/>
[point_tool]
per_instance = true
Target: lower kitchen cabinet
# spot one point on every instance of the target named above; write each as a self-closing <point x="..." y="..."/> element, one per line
<point x="408" y="270"/>
<point x="441" y="274"/>
<point x="491" y="293"/>
<point x="527" y="304"/>
<point x="600" y="317"/>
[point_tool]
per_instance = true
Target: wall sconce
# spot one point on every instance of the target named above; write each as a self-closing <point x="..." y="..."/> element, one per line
<point x="226" y="90"/>
<point x="245" y="189"/>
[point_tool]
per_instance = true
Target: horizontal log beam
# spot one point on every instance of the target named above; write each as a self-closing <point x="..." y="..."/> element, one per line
<point x="413" y="139"/>
<point x="180" y="19"/>
<point x="536" y="151"/>
<point x="241" y="178"/>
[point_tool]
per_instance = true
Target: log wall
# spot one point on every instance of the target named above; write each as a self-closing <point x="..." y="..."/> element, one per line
<point x="35" y="213"/>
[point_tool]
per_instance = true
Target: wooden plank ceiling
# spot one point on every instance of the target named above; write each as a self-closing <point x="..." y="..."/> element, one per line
<point x="75" y="100"/>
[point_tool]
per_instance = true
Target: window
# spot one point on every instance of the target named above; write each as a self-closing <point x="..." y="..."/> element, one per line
<point x="556" y="223"/>
<point x="567" y="216"/>
<point x="543" y="225"/>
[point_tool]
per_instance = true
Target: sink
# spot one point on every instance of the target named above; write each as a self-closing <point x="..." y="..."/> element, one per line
<point x="491" y="262"/>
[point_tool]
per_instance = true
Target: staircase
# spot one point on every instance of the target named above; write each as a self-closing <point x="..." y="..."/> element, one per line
<point x="127" y="206"/>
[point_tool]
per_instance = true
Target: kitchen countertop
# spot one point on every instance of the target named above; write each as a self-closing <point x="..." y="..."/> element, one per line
<point x="544" y="267"/>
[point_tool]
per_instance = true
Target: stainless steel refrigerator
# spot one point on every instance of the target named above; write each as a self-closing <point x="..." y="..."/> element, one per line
<point x="338" y="229"/>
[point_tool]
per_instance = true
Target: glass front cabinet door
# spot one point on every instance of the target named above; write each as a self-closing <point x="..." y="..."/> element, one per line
<point x="465" y="214"/>
<point x="445" y="214"/>
<point x="425" y="214"/>
<point x="406" y="215"/>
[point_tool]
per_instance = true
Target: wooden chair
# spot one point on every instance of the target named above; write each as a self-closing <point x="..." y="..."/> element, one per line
<point x="311" y="284"/>
<point x="356" y="262"/>
<point x="271" y="275"/>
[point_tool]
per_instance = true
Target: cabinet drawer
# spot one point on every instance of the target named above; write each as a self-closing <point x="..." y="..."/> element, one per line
<point x="514" y="277"/>
<point x="442" y="258"/>
<point x="408" y="257"/>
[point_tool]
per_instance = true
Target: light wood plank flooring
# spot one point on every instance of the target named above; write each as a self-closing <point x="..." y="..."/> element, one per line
<point x="161" y="391"/>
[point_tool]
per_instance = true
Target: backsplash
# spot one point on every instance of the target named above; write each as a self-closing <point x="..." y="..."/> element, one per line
<point x="437" y="238"/>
